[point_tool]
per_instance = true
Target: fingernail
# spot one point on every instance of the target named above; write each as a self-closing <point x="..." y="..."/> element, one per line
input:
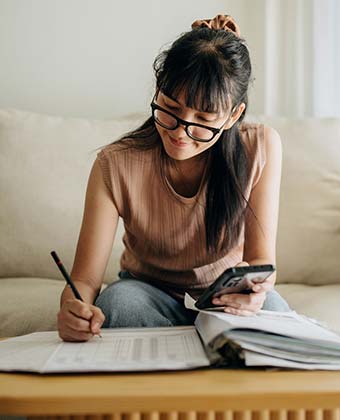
<point x="95" y="328"/>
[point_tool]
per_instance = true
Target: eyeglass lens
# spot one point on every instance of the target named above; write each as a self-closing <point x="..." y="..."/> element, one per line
<point x="169" y="122"/>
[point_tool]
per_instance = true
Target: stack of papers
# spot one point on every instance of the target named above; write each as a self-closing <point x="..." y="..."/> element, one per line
<point x="281" y="339"/>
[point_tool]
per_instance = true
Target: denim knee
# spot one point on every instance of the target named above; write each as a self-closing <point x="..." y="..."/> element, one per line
<point x="275" y="302"/>
<point x="126" y="304"/>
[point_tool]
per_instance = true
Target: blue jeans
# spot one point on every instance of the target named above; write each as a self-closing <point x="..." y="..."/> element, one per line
<point x="131" y="303"/>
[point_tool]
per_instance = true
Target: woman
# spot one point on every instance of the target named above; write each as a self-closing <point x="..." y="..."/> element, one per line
<point x="197" y="188"/>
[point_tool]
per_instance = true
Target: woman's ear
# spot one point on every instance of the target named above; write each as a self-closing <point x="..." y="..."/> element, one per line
<point x="235" y="115"/>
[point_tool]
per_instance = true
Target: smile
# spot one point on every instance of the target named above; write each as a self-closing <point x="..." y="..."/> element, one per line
<point x="177" y="143"/>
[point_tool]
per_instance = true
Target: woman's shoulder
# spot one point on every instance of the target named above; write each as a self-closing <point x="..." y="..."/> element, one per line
<point x="258" y="135"/>
<point x="258" y="132"/>
<point x="261" y="141"/>
<point x="252" y="135"/>
<point x="253" y="129"/>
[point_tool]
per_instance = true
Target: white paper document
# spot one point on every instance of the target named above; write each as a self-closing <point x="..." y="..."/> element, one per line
<point x="282" y="339"/>
<point x="270" y="338"/>
<point x="257" y="359"/>
<point x="211" y="323"/>
<point x="120" y="349"/>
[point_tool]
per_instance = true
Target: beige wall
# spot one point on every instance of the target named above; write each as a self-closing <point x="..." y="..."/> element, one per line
<point x="94" y="58"/>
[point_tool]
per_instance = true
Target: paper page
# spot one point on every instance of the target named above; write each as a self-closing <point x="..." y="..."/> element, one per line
<point x="210" y="324"/>
<point x="256" y="359"/>
<point x="189" y="302"/>
<point x="286" y="343"/>
<point x="130" y="349"/>
<point x="28" y="352"/>
<point x="289" y="355"/>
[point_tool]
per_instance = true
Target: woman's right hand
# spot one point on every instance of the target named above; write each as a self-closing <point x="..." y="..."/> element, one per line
<point x="79" y="321"/>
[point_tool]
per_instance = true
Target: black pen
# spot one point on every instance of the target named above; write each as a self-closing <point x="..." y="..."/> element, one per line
<point x="67" y="277"/>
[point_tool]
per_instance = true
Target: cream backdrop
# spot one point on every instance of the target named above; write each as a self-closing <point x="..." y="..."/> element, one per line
<point x="94" y="59"/>
<point x="89" y="58"/>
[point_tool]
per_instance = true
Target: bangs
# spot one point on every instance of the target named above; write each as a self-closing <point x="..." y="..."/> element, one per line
<point x="202" y="81"/>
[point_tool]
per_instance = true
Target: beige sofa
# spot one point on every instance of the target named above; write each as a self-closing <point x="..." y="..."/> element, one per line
<point x="44" y="167"/>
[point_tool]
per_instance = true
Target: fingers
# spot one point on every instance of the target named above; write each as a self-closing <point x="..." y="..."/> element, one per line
<point x="97" y="320"/>
<point x="237" y="300"/>
<point x="70" y="334"/>
<point x="266" y="286"/>
<point x="242" y="264"/>
<point x="78" y="308"/>
<point x="75" y="323"/>
<point x="241" y="304"/>
<point x="79" y="321"/>
<point x="239" y="312"/>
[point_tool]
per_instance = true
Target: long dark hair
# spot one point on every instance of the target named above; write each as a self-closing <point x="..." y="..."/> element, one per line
<point x="213" y="68"/>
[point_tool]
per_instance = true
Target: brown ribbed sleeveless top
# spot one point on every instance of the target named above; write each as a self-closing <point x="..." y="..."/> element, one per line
<point x="165" y="240"/>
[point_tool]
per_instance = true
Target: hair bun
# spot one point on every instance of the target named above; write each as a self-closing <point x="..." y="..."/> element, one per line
<point x="225" y="22"/>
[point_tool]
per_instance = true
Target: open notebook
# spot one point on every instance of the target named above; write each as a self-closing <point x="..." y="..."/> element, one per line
<point x="281" y="339"/>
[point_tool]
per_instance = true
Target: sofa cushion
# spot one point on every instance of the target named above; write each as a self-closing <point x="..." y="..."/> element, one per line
<point x="45" y="162"/>
<point x="308" y="239"/>
<point x="28" y="305"/>
<point x="318" y="302"/>
<point x="31" y="304"/>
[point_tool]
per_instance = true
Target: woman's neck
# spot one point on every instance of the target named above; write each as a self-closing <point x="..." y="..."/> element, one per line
<point x="186" y="176"/>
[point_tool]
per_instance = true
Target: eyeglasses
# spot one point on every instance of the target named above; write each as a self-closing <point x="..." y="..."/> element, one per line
<point x="170" y="121"/>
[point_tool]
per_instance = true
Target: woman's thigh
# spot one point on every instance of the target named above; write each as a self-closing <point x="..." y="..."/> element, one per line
<point x="134" y="303"/>
<point x="129" y="302"/>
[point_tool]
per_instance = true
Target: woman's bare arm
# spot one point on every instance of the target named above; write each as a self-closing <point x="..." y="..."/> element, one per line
<point x="260" y="233"/>
<point x="99" y="225"/>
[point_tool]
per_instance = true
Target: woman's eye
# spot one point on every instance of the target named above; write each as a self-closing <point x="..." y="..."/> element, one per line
<point x="174" y="108"/>
<point x="205" y="121"/>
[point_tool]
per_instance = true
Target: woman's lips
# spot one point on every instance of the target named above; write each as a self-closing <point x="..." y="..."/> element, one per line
<point x="177" y="143"/>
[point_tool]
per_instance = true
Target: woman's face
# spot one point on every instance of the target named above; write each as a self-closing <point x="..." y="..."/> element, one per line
<point x="177" y="144"/>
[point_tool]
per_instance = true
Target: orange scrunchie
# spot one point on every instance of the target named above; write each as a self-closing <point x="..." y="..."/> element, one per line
<point x="225" y="22"/>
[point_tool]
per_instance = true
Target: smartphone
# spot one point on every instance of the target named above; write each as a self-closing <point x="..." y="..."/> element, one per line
<point x="234" y="280"/>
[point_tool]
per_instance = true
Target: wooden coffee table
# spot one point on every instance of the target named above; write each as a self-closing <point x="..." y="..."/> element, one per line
<point x="187" y="395"/>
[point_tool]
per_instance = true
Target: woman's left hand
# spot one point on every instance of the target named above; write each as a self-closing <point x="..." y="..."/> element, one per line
<point x="245" y="304"/>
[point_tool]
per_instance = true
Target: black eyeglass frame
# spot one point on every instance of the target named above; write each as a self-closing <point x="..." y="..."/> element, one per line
<point x="186" y="124"/>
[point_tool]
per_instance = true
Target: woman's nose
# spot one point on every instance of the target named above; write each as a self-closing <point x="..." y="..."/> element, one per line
<point x="179" y="132"/>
